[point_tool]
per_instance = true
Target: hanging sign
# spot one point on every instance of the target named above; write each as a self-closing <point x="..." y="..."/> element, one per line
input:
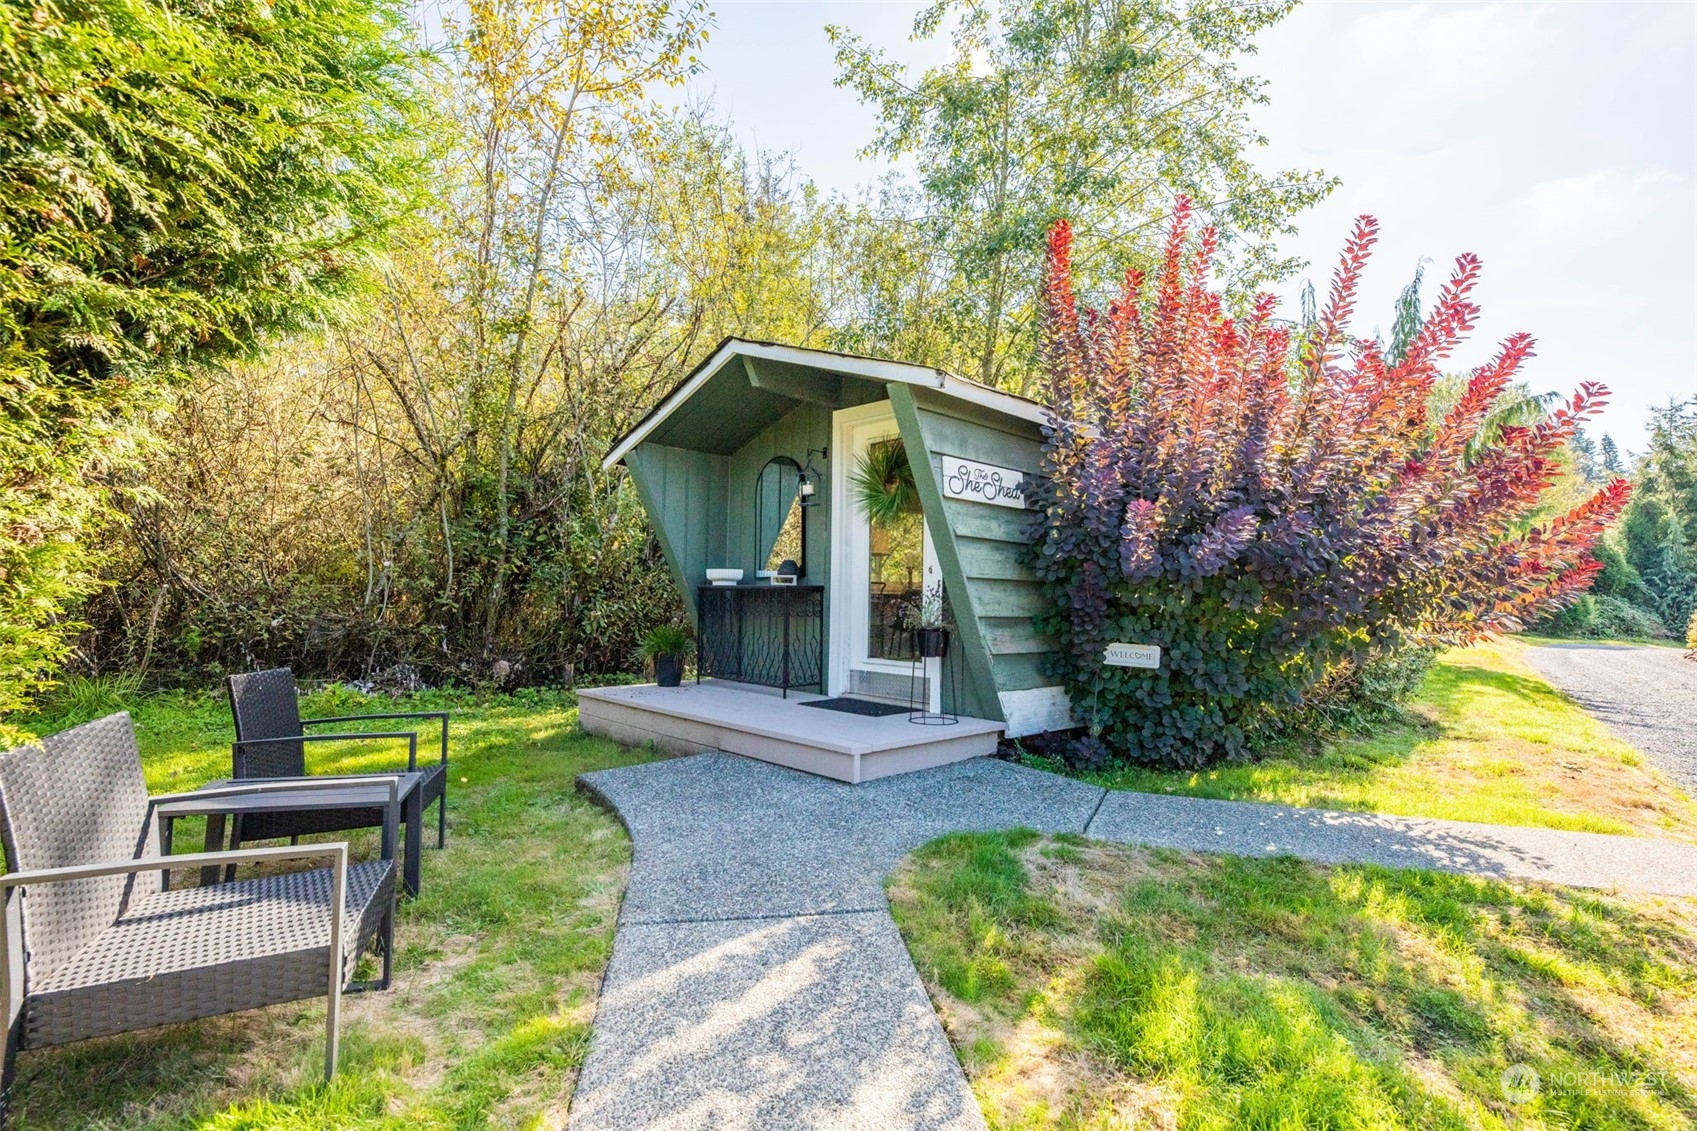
<point x="983" y="482"/>
<point x="1133" y="656"/>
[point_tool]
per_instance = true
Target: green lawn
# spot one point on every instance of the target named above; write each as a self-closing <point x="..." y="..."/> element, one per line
<point x="1486" y="740"/>
<point x="1093" y="986"/>
<point x="498" y="961"/>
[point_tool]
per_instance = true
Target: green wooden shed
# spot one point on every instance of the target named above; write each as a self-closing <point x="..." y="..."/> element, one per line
<point x="749" y="463"/>
<point x="719" y="461"/>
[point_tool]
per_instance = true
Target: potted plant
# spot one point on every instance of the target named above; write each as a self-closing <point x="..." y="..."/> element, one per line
<point x="664" y="647"/>
<point x="931" y="630"/>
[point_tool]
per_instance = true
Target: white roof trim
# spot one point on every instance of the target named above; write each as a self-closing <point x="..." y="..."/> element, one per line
<point x="872" y="368"/>
<point x="993" y="398"/>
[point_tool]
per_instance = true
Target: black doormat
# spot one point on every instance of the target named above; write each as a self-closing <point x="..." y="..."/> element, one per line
<point x="857" y="707"/>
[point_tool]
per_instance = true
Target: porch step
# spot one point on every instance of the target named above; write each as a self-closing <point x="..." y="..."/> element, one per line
<point x="758" y="723"/>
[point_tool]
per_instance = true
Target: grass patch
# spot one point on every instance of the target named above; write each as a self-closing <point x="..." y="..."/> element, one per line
<point x="1485" y="740"/>
<point x="1164" y="989"/>
<point x="498" y="962"/>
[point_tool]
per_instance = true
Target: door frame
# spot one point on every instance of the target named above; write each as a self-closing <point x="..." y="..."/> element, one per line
<point x="851" y="430"/>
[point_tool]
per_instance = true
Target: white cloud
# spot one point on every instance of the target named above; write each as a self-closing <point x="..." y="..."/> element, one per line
<point x="1397" y="75"/>
<point x="1599" y="206"/>
<point x="1448" y="58"/>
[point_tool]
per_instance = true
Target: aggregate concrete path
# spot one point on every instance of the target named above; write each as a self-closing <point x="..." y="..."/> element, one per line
<point x="758" y="981"/>
<point x="1646" y="695"/>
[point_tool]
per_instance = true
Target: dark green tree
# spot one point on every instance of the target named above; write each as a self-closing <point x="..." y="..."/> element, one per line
<point x="1582" y="450"/>
<point x="177" y="182"/>
<point x="1610" y="455"/>
<point x="1660" y="526"/>
<point x="1409" y="316"/>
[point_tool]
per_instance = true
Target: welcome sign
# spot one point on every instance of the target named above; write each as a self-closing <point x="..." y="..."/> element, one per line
<point x="983" y="482"/>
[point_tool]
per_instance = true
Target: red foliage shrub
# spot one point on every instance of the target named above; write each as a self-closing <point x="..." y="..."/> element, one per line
<point x="1272" y="508"/>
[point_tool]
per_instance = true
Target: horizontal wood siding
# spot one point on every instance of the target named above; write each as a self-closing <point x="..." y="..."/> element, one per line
<point x="1006" y="636"/>
<point x="1007" y="598"/>
<point x="986" y="545"/>
<point x="1003" y="524"/>
<point x="990" y="559"/>
<point x="1020" y="671"/>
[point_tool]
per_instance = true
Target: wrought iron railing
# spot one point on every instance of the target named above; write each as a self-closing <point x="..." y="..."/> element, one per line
<point x="771" y="635"/>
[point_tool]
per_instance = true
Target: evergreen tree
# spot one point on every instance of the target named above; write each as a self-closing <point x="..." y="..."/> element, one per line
<point x="1583" y="451"/>
<point x="176" y="182"/>
<point x="1408" y="318"/>
<point x="1611" y="456"/>
<point x="1660" y="525"/>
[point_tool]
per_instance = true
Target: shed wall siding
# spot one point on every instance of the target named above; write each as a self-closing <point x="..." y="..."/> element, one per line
<point x="684" y="494"/>
<point x="805" y="427"/>
<point x="982" y="550"/>
<point x="703" y="505"/>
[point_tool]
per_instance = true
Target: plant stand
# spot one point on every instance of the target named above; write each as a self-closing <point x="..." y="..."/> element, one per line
<point x="932" y="646"/>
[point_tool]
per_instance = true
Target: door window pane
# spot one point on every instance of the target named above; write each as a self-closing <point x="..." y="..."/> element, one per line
<point x="897" y="577"/>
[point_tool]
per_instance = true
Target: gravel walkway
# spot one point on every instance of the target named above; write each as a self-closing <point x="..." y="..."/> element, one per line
<point x="758" y="982"/>
<point x="1646" y="695"/>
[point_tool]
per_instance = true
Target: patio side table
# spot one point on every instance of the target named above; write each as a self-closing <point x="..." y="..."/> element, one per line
<point x="274" y="795"/>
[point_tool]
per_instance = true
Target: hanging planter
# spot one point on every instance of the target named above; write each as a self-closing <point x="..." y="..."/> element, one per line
<point x="883" y="483"/>
<point x="931" y="632"/>
<point x="932" y="643"/>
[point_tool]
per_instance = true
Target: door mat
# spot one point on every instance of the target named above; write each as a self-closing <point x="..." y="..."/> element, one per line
<point x="856" y="707"/>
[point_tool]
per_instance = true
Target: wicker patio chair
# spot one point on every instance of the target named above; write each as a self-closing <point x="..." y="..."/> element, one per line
<point x="94" y="945"/>
<point x="271" y="742"/>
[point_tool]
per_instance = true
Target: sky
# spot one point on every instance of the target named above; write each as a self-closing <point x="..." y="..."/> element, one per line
<point x="1556" y="141"/>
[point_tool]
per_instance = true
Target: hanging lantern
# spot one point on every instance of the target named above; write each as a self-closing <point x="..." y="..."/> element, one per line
<point x="807" y="488"/>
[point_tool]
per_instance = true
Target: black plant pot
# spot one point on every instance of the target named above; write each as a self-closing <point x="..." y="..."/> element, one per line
<point x="668" y="670"/>
<point x="933" y="643"/>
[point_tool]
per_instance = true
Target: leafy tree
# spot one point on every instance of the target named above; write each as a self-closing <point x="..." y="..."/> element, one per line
<point x="176" y="182"/>
<point x="1096" y="110"/>
<point x="360" y="529"/>
<point x="1274" y="511"/>
<point x="1619" y="577"/>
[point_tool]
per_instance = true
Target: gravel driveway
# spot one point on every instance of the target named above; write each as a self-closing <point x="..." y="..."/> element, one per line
<point x="1646" y="695"/>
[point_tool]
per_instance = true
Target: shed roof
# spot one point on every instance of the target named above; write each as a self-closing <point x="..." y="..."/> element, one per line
<point x="736" y="404"/>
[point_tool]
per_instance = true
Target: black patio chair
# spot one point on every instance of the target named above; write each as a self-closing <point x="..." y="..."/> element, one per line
<point x="271" y="742"/>
<point x="94" y="944"/>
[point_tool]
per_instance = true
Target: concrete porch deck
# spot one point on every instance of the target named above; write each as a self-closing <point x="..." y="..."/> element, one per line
<point x="757" y="723"/>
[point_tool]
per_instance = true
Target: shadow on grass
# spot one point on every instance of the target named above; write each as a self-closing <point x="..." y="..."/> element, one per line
<point x="497" y="960"/>
<point x="1258" y="992"/>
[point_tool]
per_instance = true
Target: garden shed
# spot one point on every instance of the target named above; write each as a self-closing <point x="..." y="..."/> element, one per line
<point x="750" y="464"/>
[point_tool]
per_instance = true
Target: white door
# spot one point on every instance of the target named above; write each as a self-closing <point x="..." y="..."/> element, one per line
<point x="876" y="571"/>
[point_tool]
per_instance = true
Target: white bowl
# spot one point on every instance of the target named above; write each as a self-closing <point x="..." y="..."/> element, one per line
<point x="724" y="576"/>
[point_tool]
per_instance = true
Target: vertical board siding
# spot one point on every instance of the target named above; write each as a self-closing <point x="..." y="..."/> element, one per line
<point x="702" y="504"/>
<point x="684" y="495"/>
<point x="807" y="426"/>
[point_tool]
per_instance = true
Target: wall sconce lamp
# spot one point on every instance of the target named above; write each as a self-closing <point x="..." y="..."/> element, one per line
<point x="807" y="488"/>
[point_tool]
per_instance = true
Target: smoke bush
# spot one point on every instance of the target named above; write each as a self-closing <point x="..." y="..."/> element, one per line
<point x="1273" y="508"/>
